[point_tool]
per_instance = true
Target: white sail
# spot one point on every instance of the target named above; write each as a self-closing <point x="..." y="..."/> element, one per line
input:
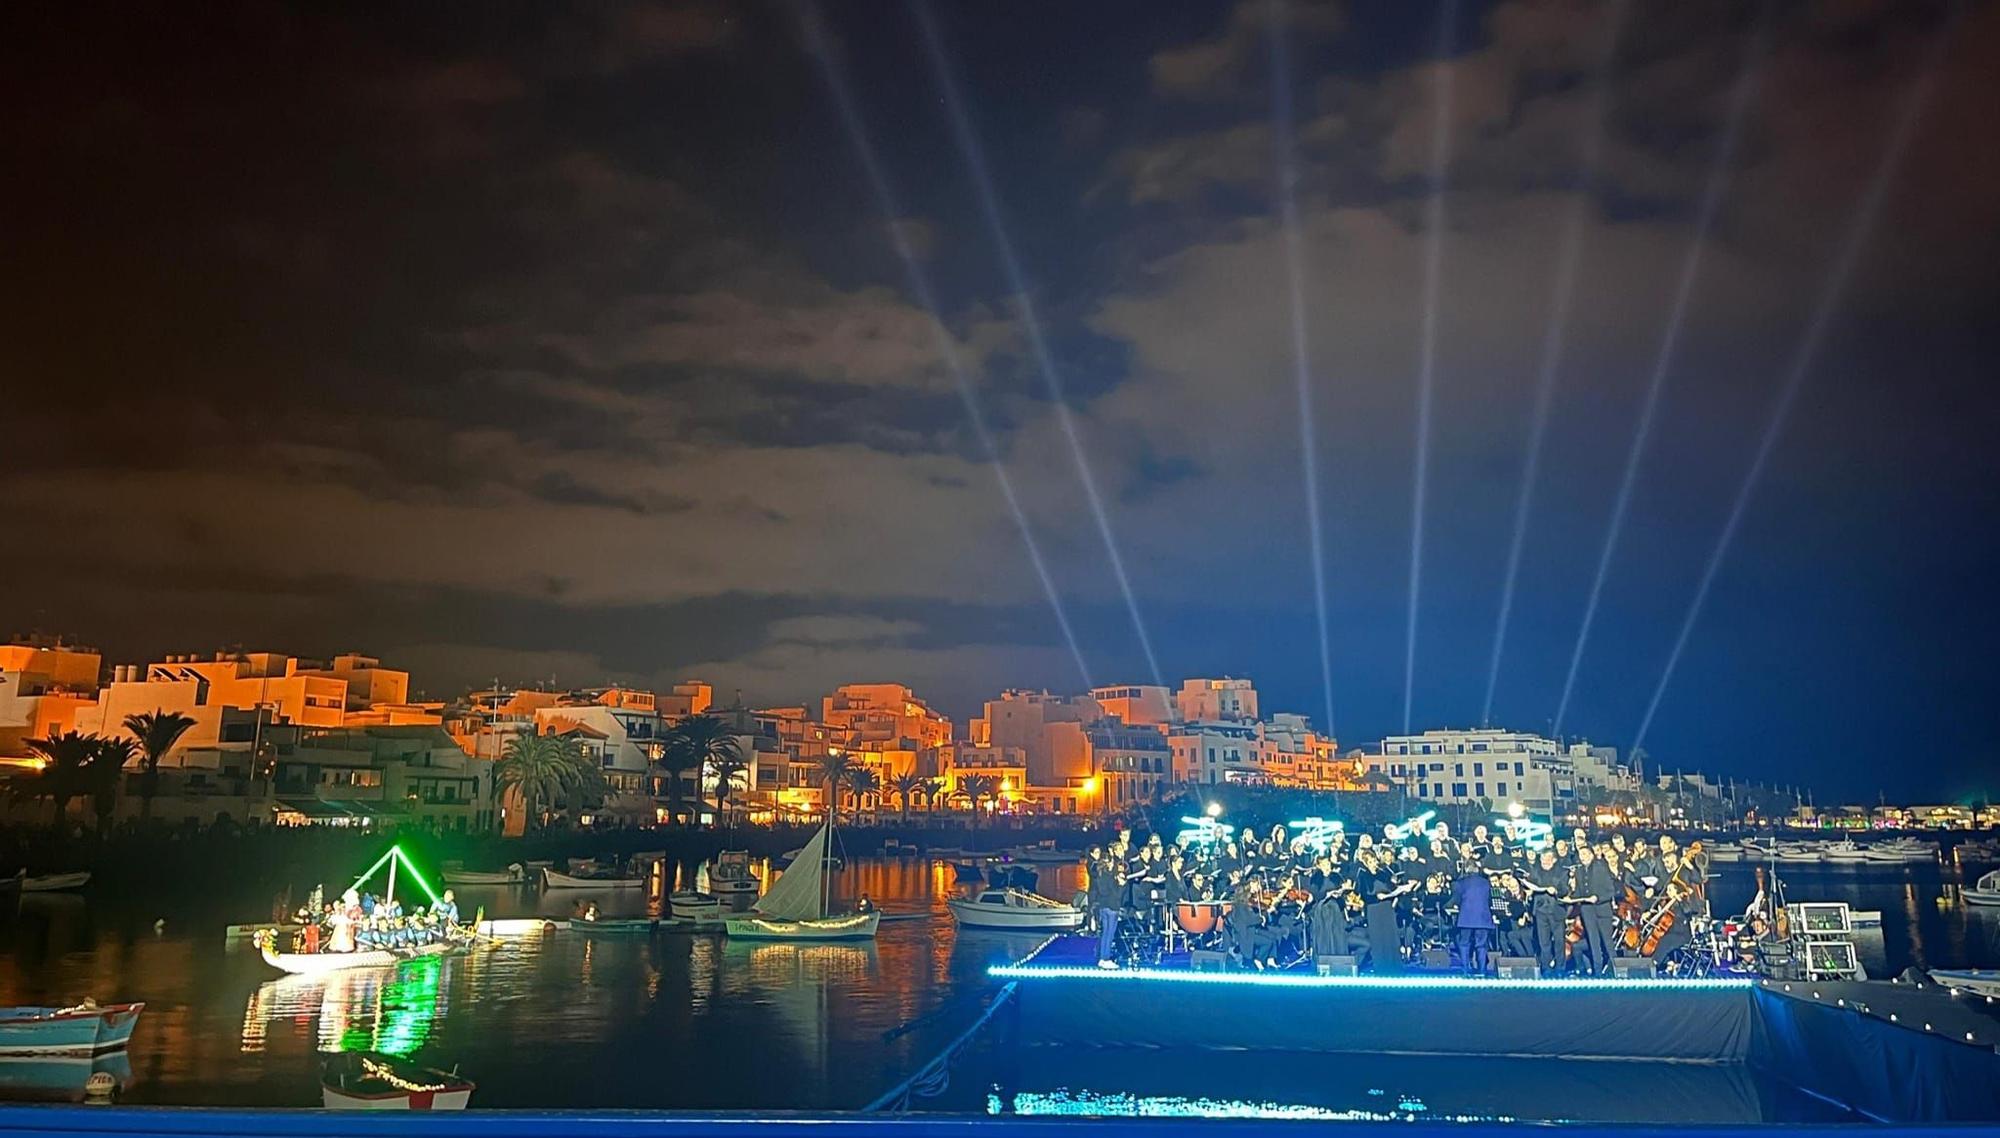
<point x="796" y="895"/>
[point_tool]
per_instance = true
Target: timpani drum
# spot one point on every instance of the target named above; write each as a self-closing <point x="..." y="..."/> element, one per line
<point x="1200" y="918"/>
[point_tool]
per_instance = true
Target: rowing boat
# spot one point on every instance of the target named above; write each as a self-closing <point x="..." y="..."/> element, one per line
<point x="320" y="963"/>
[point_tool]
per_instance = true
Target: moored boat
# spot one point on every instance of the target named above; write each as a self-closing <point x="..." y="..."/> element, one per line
<point x="553" y="880"/>
<point x="1986" y="891"/>
<point x="732" y="880"/>
<point x="512" y="875"/>
<point x="367" y="1080"/>
<point x="1798" y="854"/>
<point x="84" y="1030"/>
<point x="1725" y="852"/>
<point x="1014" y="909"/>
<point x="693" y="905"/>
<point x="1980" y="981"/>
<point x="1844" y="853"/>
<point x="55" y="882"/>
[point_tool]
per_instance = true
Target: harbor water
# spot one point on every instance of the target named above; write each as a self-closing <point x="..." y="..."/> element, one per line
<point x="693" y="1021"/>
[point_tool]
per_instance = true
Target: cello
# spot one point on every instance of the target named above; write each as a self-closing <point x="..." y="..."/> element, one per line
<point x="1662" y="918"/>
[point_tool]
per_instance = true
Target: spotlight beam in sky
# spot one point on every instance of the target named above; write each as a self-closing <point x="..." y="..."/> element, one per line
<point x="1711" y="203"/>
<point x="1427" y="341"/>
<point x="1282" y="143"/>
<point x="1555" y="339"/>
<point x="920" y="288"/>
<point x="1017" y="279"/>
<point x="1859" y="228"/>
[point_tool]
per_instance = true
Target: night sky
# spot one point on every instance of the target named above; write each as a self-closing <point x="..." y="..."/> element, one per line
<point x="527" y="340"/>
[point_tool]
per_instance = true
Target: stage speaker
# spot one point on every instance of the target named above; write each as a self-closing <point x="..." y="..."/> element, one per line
<point x="1437" y="959"/>
<point x="1517" y="968"/>
<point x="1633" y="968"/>
<point x="1202" y="960"/>
<point x="1338" y="965"/>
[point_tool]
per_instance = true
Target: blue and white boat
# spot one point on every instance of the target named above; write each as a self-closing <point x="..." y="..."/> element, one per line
<point x="85" y="1030"/>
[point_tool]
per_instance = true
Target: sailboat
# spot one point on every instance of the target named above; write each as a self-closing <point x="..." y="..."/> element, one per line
<point x="795" y="906"/>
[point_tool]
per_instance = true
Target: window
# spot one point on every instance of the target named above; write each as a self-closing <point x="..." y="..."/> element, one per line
<point x="1458" y="769"/>
<point x="1517" y="768"/>
<point x="1458" y="790"/>
<point x="1422" y="791"/>
<point x="1479" y="748"/>
<point x="1437" y="790"/>
<point x="1479" y="790"/>
<point x="1500" y="789"/>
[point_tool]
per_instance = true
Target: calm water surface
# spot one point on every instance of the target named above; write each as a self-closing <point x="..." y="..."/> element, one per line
<point x="698" y="1022"/>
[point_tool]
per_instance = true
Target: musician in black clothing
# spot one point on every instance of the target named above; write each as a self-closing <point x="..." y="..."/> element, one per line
<point x="1377" y="884"/>
<point x="1546" y="882"/>
<point x="1593" y="890"/>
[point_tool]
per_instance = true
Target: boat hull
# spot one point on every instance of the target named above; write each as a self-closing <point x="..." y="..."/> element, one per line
<point x="694" y="907"/>
<point x="615" y="926"/>
<point x="408" y="1100"/>
<point x="320" y="963"/>
<point x="973" y="915"/>
<point x="54" y="882"/>
<point x="78" y="1032"/>
<point x="1981" y="897"/>
<point x="1982" y="981"/>
<point x="553" y="880"/>
<point x="371" y="1081"/>
<point x="853" y="926"/>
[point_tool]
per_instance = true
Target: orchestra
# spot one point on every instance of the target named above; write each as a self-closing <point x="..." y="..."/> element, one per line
<point x="1572" y="904"/>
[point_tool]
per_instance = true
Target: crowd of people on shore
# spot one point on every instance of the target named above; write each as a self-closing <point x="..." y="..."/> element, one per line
<point x="1572" y="904"/>
<point x="363" y="922"/>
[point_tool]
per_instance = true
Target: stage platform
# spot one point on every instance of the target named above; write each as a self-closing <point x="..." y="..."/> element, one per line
<point x="1882" y="1051"/>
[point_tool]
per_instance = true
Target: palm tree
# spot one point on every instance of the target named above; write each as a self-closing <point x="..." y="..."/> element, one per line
<point x="157" y="732"/>
<point x="862" y="784"/>
<point x="978" y="788"/>
<point x="906" y="785"/>
<point x="834" y="770"/>
<point x="103" y="773"/>
<point x="548" y="770"/>
<point x="931" y="791"/>
<point x="64" y="756"/>
<point x="726" y="769"/>
<point x="694" y="744"/>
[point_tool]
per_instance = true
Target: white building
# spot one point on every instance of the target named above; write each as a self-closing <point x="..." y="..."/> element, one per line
<point x="1214" y="752"/>
<point x="1216" y="700"/>
<point x="1488" y="766"/>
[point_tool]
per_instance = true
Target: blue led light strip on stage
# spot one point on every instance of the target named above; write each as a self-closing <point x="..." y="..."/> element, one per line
<point x="1300" y="980"/>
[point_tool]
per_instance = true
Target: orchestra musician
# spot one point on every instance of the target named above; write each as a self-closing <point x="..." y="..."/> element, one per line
<point x="1473" y="893"/>
<point x="1546" y="883"/>
<point x="1376" y="882"/>
<point x="1592" y="891"/>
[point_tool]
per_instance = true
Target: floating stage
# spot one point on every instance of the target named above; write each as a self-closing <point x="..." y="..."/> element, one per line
<point x="1862" y="1051"/>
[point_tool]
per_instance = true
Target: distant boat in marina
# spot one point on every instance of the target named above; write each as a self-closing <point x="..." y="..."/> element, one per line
<point x="513" y="875"/>
<point x="1844" y="853"/>
<point x="1044" y="854"/>
<point x="732" y="881"/>
<point x="690" y="905"/>
<point x="796" y="906"/>
<point x="554" y="880"/>
<point x="1797" y="854"/>
<point x="368" y="1080"/>
<point x="614" y="926"/>
<point x="81" y="1031"/>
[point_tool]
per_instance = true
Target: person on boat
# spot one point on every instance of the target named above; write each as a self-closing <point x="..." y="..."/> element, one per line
<point x="446" y="910"/>
<point x="341" y="924"/>
<point x="590" y="911"/>
<point x="863" y="905"/>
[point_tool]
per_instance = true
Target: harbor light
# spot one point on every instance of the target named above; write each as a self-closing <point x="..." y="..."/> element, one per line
<point x="1215" y="809"/>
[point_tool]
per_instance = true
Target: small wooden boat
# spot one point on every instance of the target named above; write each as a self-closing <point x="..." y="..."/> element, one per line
<point x="554" y="880"/>
<point x="614" y="926"/>
<point x="1014" y="909"/>
<point x="368" y="1080"/>
<point x="732" y="879"/>
<point x="55" y="882"/>
<point x="512" y="875"/>
<point x="84" y="1030"/>
<point x="515" y="926"/>
<point x="796" y="908"/>
<point x="1979" y="981"/>
<point x="1844" y="853"/>
<point x="62" y="1078"/>
<point x="1044" y="854"/>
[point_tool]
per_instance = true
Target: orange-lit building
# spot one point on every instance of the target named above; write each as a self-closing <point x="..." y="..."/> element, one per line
<point x="43" y="681"/>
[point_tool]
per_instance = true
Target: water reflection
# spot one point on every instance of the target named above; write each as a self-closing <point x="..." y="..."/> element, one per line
<point x="360" y="1009"/>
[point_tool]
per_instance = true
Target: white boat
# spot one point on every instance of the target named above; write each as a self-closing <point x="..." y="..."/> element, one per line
<point x="514" y="926"/>
<point x="1014" y="909"/>
<point x="512" y="875"/>
<point x="1800" y="854"/>
<point x="55" y="882"/>
<point x="1883" y="855"/>
<point x="1043" y="855"/>
<point x="690" y="905"/>
<point x="795" y="907"/>
<point x="1844" y="853"/>
<point x="731" y="878"/>
<point x="1724" y="852"/>
<point x="1865" y="918"/>
<point x="1979" y="981"/>
<point x="1985" y="892"/>
<point x="82" y="1031"/>
<point x="366" y="1080"/>
<point x="320" y="963"/>
<point x="554" y="880"/>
